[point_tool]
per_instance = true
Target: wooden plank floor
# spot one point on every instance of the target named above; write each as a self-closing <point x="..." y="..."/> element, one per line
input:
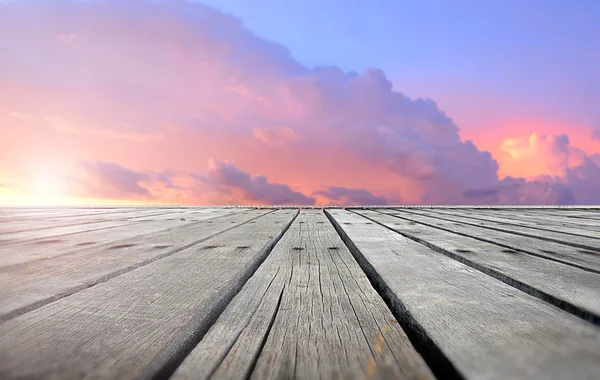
<point x="306" y="293"/>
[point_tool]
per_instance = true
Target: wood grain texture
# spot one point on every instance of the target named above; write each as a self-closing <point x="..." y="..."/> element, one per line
<point x="583" y="242"/>
<point x="19" y="214"/>
<point x="542" y="220"/>
<point x="309" y="312"/>
<point x="34" y="284"/>
<point x="487" y="329"/>
<point x="44" y="234"/>
<point x="7" y="228"/>
<point x="51" y="246"/>
<point x="142" y="323"/>
<point x="521" y="222"/>
<point x="572" y="289"/>
<point x="571" y="214"/>
<point x="583" y="259"/>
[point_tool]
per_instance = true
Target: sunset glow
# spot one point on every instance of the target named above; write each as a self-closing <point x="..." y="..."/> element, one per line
<point x="177" y="102"/>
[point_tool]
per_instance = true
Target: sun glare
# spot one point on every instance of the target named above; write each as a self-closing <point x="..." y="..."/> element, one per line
<point x="47" y="187"/>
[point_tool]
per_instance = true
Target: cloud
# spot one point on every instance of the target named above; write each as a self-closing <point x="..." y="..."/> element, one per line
<point x="190" y="83"/>
<point x="554" y="172"/>
<point x="343" y="196"/>
<point x="536" y="154"/>
<point x="110" y="180"/>
<point x="225" y="177"/>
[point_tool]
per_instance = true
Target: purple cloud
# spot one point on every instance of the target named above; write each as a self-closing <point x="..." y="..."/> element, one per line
<point x="225" y="177"/>
<point x="107" y="179"/>
<point x="345" y="196"/>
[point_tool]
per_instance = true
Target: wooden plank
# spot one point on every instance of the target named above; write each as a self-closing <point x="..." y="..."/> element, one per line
<point x="546" y="220"/>
<point x="82" y="214"/>
<point x="572" y="289"/>
<point x="485" y="328"/>
<point x="61" y="212"/>
<point x="88" y="232"/>
<point x="532" y="227"/>
<point x="308" y="312"/>
<point x="30" y="250"/>
<point x="26" y="236"/>
<point x="583" y="259"/>
<point x="581" y="214"/>
<point x="583" y="242"/>
<point x="50" y="223"/>
<point x="138" y="325"/>
<point x="34" y="284"/>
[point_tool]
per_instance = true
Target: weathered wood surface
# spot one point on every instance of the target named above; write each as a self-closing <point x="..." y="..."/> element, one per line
<point x="541" y="220"/>
<point x="19" y="237"/>
<point x="523" y="223"/>
<point x="573" y="215"/>
<point x="19" y="252"/>
<point x="485" y="328"/>
<point x="309" y="312"/>
<point x="583" y="259"/>
<point x="143" y="322"/>
<point x="583" y="242"/>
<point x="8" y="228"/>
<point x="575" y="290"/>
<point x="34" y="284"/>
<point x="132" y="301"/>
<point x="17" y="215"/>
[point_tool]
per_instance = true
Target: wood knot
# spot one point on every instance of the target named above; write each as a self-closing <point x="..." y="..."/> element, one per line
<point x="183" y="219"/>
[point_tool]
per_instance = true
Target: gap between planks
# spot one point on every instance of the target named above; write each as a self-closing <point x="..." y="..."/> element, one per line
<point x="575" y="291"/>
<point x="485" y="328"/>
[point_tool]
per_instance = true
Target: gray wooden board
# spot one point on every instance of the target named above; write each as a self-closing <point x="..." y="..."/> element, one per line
<point x="583" y="242"/>
<point x="43" y="248"/>
<point x="541" y="220"/>
<point x="523" y="223"/>
<point x="574" y="215"/>
<point x="57" y="234"/>
<point x="35" y="283"/>
<point x="576" y="290"/>
<point x="50" y="223"/>
<point x="584" y="259"/>
<point x="308" y="312"/>
<point x="588" y="223"/>
<point x="89" y="213"/>
<point x="24" y="236"/>
<point x="141" y="323"/>
<point x="58" y="213"/>
<point x="486" y="328"/>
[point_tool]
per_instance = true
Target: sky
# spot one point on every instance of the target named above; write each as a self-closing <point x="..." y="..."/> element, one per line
<point x="331" y="102"/>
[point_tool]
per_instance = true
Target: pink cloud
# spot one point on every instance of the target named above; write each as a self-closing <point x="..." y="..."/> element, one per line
<point x="226" y="178"/>
<point x="110" y="180"/>
<point x="162" y="86"/>
<point x="339" y="195"/>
